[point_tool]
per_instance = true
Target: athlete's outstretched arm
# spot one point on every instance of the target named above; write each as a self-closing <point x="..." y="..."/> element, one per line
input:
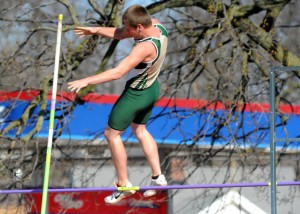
<point x="139" y="53"/>
<point x="109" y="32"/>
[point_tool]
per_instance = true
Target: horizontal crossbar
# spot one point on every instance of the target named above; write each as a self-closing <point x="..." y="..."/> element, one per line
<point x="144" y="188"/>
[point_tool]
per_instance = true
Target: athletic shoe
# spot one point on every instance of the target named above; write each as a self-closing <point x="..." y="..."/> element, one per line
<point x="117" y="196"/>
<point x="160" y="181"/>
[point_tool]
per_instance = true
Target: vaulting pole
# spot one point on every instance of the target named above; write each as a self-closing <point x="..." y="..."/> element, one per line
<point x="52" y="114"/>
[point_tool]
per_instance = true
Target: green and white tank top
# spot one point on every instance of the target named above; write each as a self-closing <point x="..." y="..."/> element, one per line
<point x="144" y="74"/>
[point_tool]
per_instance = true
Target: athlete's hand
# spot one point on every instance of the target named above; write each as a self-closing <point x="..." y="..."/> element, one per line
<point x="83" y="31"/>
<point x="77" y="85"/>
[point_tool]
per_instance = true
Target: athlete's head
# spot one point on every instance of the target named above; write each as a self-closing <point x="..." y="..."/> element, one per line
<point x="135" y="15"/>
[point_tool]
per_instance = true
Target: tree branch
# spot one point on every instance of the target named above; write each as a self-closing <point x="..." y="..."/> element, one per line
<point x="71" y="10"/>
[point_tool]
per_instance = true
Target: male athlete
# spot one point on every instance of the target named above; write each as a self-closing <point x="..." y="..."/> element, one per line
<point x="135" y="104"/>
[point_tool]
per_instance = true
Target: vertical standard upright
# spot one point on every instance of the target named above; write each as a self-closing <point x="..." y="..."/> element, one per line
<point x="273" y="139"/>
<point x="51" y="120"/>
<point x="272" y="142"/>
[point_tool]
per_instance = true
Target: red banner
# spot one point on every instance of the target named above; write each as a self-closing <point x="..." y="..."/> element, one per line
<point x="93" y="202"/>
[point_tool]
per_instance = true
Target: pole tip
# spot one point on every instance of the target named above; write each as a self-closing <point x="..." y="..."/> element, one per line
<point x="60" y="17"/>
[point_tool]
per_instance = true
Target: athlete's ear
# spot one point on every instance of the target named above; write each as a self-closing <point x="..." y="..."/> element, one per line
<point x="139" y="27"/>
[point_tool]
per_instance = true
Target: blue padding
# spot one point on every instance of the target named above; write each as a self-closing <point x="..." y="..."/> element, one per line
<point x="167" y="125"/>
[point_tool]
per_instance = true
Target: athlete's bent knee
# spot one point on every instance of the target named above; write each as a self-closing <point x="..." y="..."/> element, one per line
<point x="107" y="134"/>
<point x="140" y="132"/>
<point x="110" y="134"/>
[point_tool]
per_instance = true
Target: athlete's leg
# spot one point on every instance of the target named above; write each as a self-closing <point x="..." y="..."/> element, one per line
<point x="118" y="154"/>
<point x="149" y="147"/>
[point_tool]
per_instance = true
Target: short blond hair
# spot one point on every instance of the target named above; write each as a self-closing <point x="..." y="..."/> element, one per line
<point x="137" y="14"/>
